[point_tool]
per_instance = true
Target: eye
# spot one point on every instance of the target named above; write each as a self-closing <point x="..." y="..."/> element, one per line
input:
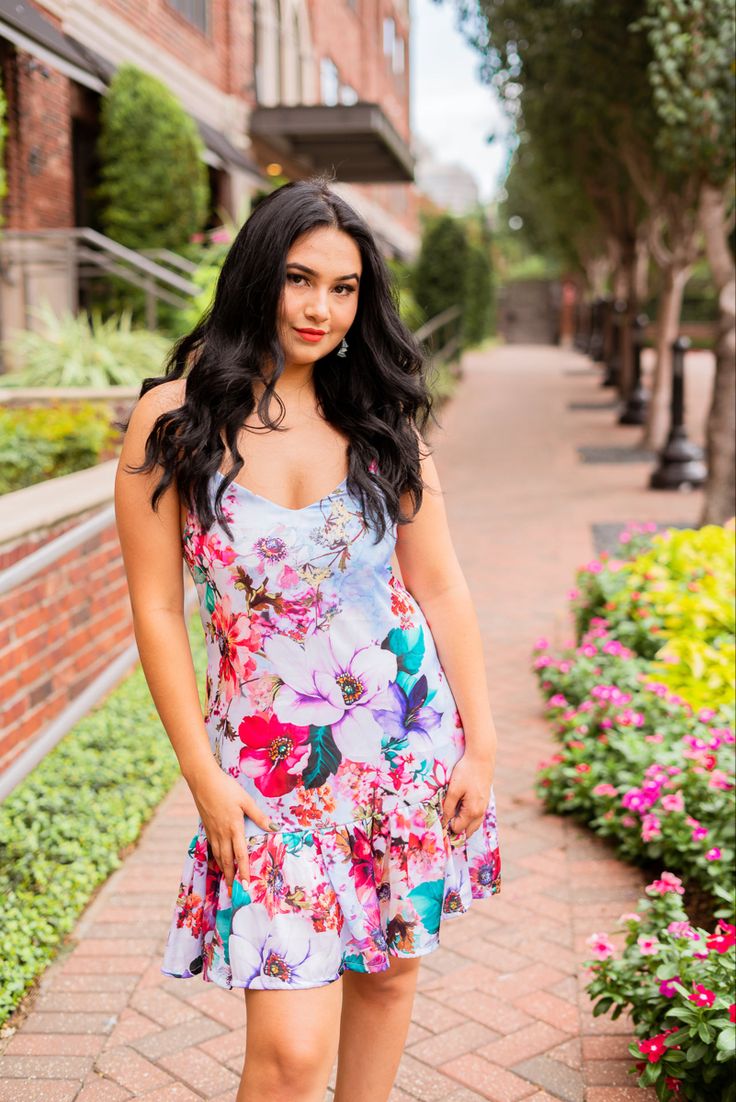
<point x="294" y="275"/>
<point x="346" y="287"/>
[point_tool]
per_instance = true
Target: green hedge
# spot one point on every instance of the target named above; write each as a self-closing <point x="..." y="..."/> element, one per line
<point x="47" y="441"/>
<point x="63" y="828"/>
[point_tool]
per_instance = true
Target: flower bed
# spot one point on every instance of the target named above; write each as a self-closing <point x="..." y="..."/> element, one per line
<point x="643" y="709"/>
<point x="677" y="982"/>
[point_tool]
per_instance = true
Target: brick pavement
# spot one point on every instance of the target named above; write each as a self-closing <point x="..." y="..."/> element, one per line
<point x="500" y="1014"/>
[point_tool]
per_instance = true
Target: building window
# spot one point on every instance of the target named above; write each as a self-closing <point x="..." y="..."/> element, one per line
<point x="195" y="11"/>
<point x="389" y="37"/>
<point x="329" y="79"/>
<point x="348" y="94"/>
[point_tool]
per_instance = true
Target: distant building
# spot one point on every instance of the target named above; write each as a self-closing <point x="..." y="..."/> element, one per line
<point x="450" y="186"/>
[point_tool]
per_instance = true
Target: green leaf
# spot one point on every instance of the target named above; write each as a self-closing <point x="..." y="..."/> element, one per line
<point x="427" y="900"/>
<point x="324" y="757"/>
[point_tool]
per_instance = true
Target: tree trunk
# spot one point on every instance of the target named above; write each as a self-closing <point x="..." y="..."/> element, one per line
<point x="720" y="489"/>
<point x="629" y="266"/>
<point x="674" y="281"/>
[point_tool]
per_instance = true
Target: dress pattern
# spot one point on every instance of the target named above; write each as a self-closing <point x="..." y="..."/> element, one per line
<point x="326" y="700"/>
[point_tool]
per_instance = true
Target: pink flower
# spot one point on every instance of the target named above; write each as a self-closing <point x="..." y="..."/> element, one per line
<point x="605" y="790"/>
<point x="713" y="854"/>
<point x="718" y="779"/>
<point x="650" y="828"/>
<point x="558" y="701"/>
<point x="630" y="916"/>
<point x="732" y="1012"/>
<point x="667" y="987"/>
<point x="702" y="996"/>
<point x="682" y="929"/>
<point x="601" y="946"/>
<point x="648" y="945"/>
<point x="674" y="801"/>
<point x="668" y="882"/>
<point x="541" y="643"/>
<point x="542" y="661"/>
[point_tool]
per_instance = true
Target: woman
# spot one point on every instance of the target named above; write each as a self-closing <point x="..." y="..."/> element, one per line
<point x="346" y="810"/>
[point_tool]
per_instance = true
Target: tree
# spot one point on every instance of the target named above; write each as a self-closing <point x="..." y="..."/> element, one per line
<point x="154" y="189"/>
<point x="439" y="274"/>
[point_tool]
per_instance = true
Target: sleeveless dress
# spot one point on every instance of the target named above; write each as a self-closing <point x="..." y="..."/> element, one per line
<point x="326" y="700"/>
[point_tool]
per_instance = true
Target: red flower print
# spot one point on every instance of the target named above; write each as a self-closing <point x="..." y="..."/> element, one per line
<point x="234" y="635"/>
<point x="275" y="753"/>
<point x="190" y="912"/>
<point x="723" y="940"/>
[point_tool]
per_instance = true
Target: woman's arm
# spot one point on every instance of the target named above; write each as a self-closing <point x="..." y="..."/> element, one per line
<point x="431" y="572"/>
<point x="152" y="555"/>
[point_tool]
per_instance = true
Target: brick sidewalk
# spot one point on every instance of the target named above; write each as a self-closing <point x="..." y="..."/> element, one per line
<point x="501" y="1014"/>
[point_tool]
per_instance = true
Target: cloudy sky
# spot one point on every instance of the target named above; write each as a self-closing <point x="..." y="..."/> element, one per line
<point x="450" y="109"/>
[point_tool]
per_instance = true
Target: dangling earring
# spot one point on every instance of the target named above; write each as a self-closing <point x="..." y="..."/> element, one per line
<point x="343" y="349"/>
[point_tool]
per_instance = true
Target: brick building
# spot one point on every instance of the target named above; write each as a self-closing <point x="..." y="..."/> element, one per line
<point x="289" y="86"/>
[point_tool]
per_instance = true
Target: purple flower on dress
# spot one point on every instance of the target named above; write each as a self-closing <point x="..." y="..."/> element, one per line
<point x="280" y="952"/>
<point x="408" y="714"/>
<point x="327" y="682"/>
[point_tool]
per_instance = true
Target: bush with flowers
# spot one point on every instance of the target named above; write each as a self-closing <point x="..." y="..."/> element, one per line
<point x="643" y="709"/>
<point x="677" y="982"/>
<point x="637" y="760"/>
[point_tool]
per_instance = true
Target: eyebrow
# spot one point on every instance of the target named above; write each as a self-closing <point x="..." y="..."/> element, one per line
<point x="311" y="271"/>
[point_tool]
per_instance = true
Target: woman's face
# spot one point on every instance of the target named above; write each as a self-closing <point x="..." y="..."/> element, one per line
<point x="323" y="270"/>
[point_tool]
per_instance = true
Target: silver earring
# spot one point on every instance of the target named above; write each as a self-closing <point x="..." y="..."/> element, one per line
<point x="343" y="349"/>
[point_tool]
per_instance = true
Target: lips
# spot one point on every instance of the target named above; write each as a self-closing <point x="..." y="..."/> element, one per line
<point x="312" y="335"/>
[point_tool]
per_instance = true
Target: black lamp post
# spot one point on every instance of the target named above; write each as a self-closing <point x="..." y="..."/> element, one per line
<point x="635" y="405"/>
<point x="613" y="362"/>
<point x="681" y="463"/>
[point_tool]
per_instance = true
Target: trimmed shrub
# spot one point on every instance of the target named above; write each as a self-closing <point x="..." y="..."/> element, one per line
<point x="154" y="189"/>
<point x="47" y="441"/>
<point x="63" y="829"/>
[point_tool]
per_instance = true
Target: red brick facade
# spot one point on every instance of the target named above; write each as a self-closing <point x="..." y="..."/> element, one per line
<point x="43" y="101"/>
<point x="58" y="631"/>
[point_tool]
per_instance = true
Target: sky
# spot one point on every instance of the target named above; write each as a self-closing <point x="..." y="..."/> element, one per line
<point x="450" y="109"/>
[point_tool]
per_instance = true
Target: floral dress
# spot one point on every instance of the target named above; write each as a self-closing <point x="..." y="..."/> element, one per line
<point x="326" y="701"/>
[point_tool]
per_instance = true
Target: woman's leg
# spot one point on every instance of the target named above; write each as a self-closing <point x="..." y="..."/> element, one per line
<point x="290" y="1045"/>
<point x="376" y="1011"/>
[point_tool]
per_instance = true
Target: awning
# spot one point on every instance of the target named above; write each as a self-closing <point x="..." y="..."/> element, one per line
<point x="356" y="139"/>
<point x="29" y="30"/>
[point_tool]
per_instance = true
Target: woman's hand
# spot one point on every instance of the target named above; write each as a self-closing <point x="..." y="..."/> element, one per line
<point x="467" y="796"/>
<point x="221" y="803"/>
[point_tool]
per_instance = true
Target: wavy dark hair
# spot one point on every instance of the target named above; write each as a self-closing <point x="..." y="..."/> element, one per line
<point x="377" y="395"/>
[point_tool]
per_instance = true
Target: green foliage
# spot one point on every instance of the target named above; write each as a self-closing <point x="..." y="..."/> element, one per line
<point x="77" y="351"/>
<point x="154" y="189"/>
<point x="693" y="81"/>
<point x="676" y="980"/>
<point x="63" y="828"/>
<point x="411" y="313"/>
<point x="477" y="295"/>
<point x="47" y="441"/>
<point x="438" y="279"/>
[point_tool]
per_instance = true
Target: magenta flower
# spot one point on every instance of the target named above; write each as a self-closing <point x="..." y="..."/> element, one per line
<point x="713" y="854"/>
<point x="667" y="987"/>
<point x="702" y="996"/>
<point x="650" y="828"/>
<point x="673" y="801"/>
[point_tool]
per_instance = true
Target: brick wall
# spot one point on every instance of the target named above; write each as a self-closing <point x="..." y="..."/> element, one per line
<point x="38" y="155"/>
<point x="58" y="631"/>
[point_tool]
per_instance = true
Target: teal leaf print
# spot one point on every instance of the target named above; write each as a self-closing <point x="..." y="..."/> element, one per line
<point x="198" y="573"/>
<point x="324" y="758"/>
<point x="209" y="598"/>
<point x="408" y="646"/>
<point x="427" y="900"/>
<point x="294" y="840"/>
<point x="223" y="923"/>
<point x="354" y="962"/>
<point x="240" y="895"/>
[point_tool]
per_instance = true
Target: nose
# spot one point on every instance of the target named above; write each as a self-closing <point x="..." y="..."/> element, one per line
<point x="317" y="308"/>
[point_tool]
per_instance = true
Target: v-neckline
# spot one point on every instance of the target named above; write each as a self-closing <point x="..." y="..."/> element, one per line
<point x="275" y="504"/>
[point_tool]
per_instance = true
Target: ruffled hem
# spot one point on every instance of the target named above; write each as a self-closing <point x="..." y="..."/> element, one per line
<point x="321" y="902"/>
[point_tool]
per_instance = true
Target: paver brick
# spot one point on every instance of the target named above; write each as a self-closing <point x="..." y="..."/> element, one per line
<point x="523" y="1043"/>
<point x="608" y="1073"/>
<point x="164" y="1009"/>
<point x="55" y="1022"/>
<point x="131" y="1070"/>
<point x="489" y="1080"/>
<point x="422" y="1082"/>
<point x="490" y="1011"/>
<point x="200" y="1072"/>
<point x="130" y="1026"/>
<point x="39" y="1090"/>
<point x="97" y="1089"/>
<point x="45" y="1067"/>
<point x="451" y="1043"/>
<point x="167" y="1041"/>
<point x="551" y="1009"/>
<point x="557" y="1078"/>
<point x="53" y="1044"/>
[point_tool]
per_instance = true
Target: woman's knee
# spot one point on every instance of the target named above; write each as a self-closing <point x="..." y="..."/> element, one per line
<point x="400" y="978"/>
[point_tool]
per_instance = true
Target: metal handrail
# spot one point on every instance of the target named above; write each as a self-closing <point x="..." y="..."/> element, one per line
<point x="437" y="322"/>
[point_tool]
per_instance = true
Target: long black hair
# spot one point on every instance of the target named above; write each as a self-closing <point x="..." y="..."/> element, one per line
<point x="376" y="395"/>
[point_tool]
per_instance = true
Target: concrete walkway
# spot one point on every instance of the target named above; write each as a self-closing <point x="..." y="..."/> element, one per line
<point x="501" y="1014"/>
